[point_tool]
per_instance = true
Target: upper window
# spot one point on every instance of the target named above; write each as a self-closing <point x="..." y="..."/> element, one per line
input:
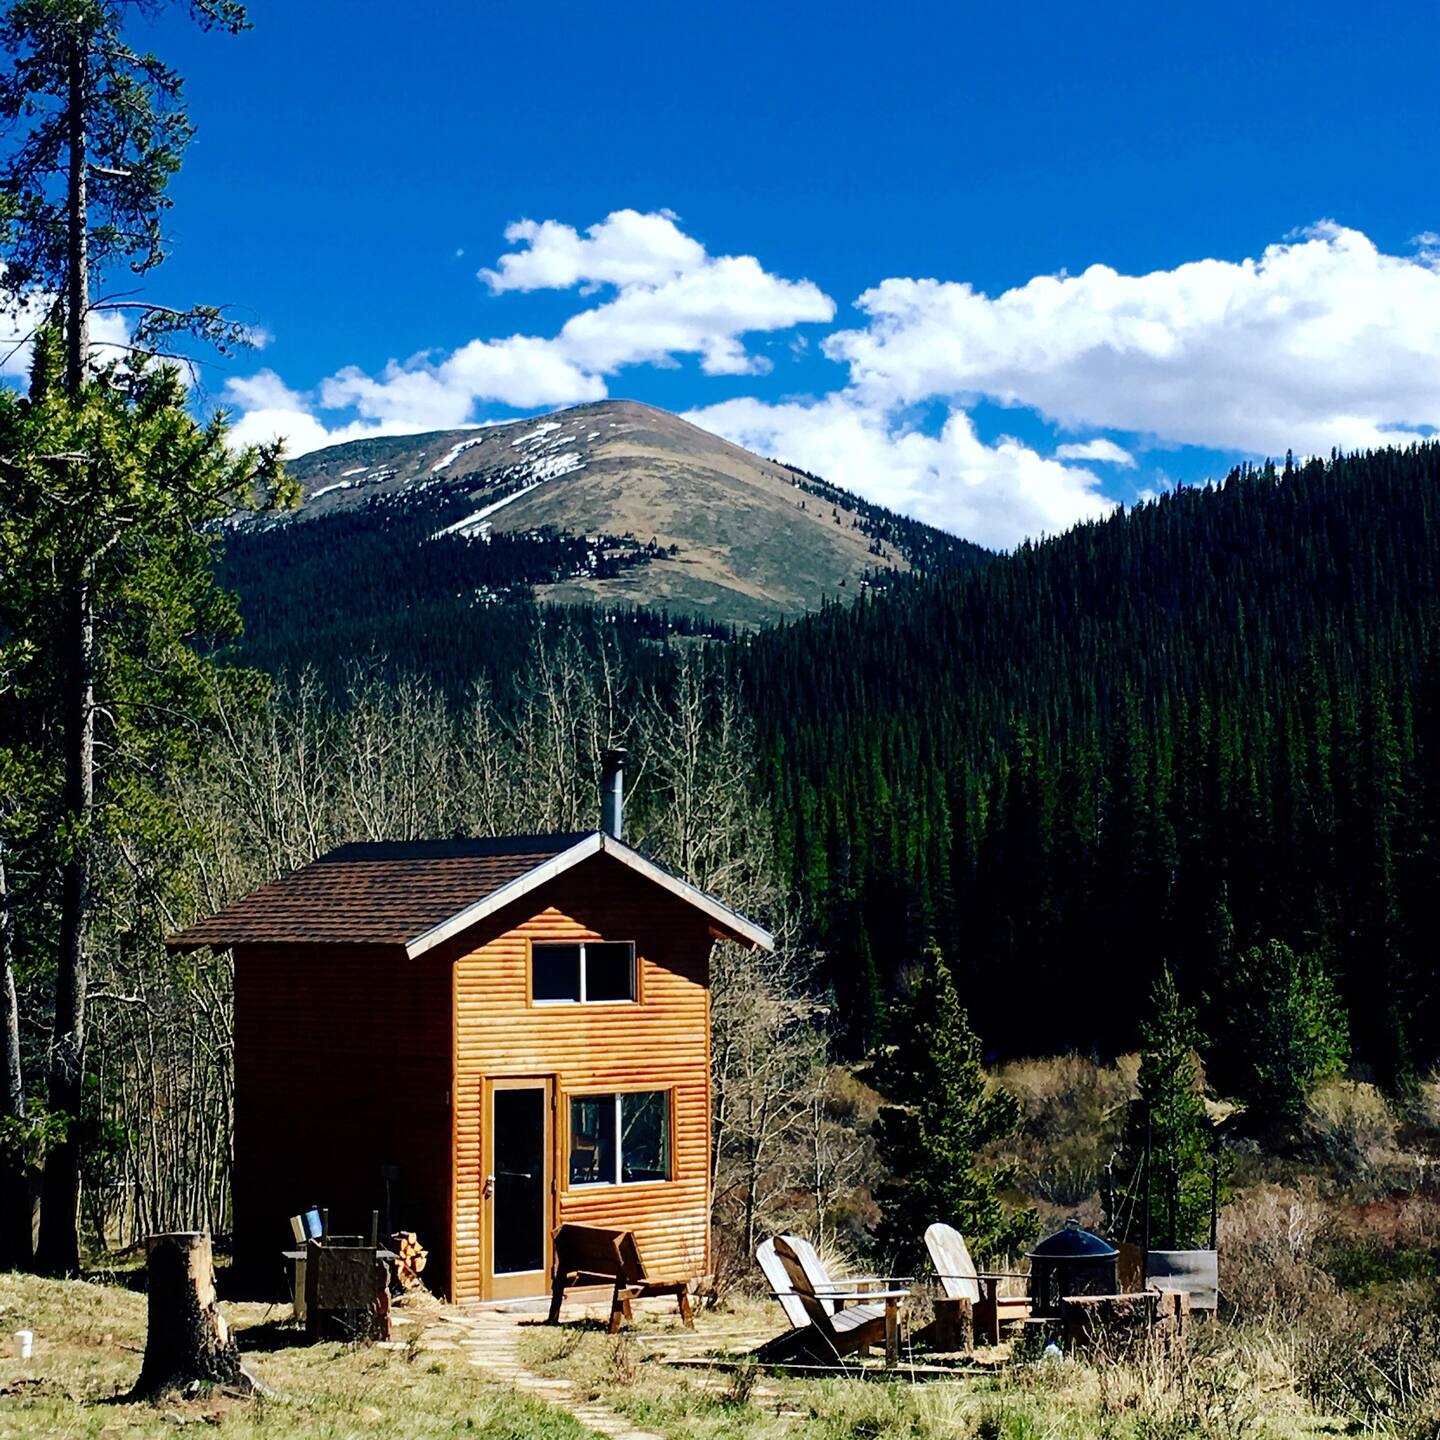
<point x="594" y="971"/>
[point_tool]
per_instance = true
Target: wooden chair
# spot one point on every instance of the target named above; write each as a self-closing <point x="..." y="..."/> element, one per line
<point x="814" y="1266"/>
<point x="957" y="1273"/>
<point x="779" y="1281"/>
<point x="794" y="1341"/>
<point x="591" y="1255"/>
<point x="837" y="1327"/>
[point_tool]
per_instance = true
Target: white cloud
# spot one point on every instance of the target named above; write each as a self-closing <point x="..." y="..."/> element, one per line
<point x="272" y="410"/>
<point x="262" y="391"/>
<point x="670" y="299"/>
<point x="109" y="333"/>
<point x="703" y="311"/>
<point x="993" y="494"/>
<point x="1107" y="452"/>
<point x="626" y="248"/>
<point x="1323" y="341"/>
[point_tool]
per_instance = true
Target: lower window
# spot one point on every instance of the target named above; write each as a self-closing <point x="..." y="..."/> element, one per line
<point x="620" y="1139"/>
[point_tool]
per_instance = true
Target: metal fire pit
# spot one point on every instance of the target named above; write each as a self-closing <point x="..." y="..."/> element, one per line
<point x="1071" y="1262"/>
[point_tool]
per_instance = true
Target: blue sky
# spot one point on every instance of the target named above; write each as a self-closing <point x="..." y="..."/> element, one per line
<point x="769" y="165"/>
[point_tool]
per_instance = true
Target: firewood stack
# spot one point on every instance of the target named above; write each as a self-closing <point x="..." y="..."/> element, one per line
<point x="410" y="1257"/>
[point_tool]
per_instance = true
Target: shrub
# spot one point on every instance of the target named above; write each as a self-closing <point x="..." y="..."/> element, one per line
<point x="1353" y="1130"/>
<point x="1268" y="1244"/>
<point x="1071" y="1110"/>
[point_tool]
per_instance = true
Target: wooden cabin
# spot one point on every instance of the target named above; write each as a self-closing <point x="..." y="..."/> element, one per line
<point x="482" y="1040"/>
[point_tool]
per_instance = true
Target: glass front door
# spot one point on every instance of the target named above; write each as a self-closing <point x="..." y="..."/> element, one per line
<point x="518" y="1186"/>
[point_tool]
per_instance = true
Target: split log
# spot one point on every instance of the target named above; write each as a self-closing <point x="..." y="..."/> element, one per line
<point x="188" y="1341"/>
<point x="410" y="1258"/>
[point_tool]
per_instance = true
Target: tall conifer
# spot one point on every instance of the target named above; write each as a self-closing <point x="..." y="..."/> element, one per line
<point x="943" y="1111"/>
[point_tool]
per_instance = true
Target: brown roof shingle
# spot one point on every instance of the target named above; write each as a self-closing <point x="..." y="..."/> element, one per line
<point x="374" y="894"/>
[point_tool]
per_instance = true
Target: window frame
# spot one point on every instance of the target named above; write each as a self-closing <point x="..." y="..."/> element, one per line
<point x="533" y="1003"/>
<point x="616" y="1092"/>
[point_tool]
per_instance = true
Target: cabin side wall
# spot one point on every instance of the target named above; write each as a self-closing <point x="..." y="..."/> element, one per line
<point x="342" y="1067"/>
<point x="660" y="1043"/>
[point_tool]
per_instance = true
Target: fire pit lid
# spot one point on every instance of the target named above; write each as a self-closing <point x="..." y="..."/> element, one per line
<point x="1073" y="1243"/>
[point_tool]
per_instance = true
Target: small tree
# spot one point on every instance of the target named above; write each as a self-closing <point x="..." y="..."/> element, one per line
<point x="943" y="1112"/>
<point x="1285" y="1031"/>
<point x="1166" y="1126"/>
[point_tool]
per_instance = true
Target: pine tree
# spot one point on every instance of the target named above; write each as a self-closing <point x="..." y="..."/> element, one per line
<point x="943" y="1111"/>
<point x="865" y="1001"/>
<point x="127" y="479"/>
<point x="1285" y="1031"/>
<point x="95" y="131"/>
<point x="1166" y="1122"/>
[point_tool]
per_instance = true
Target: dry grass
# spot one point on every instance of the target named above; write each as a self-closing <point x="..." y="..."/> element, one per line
<point x="88" y="1343"/>
<point x="1232" y="1384"/>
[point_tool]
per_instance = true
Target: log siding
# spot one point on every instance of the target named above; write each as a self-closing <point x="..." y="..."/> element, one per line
<point x="342" y="1066"/>
<point x="661" y="1041"/>
<point x="354" y="1057"/>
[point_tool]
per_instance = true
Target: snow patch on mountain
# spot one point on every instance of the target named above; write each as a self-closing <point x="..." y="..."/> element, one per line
<point x="454" y="453"/>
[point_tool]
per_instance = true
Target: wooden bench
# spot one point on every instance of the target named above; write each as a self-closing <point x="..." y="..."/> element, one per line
<point x="591" y="1255"/>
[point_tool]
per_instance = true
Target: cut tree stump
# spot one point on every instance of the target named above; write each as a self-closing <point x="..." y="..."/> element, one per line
<point x="1113" y="1324"/>
<point x="188" y="1342"/>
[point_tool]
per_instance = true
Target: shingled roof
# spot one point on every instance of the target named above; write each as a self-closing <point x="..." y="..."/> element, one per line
<point x="414" y="894"/>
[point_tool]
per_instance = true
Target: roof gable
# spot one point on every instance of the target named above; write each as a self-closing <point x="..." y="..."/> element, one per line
<point x="414" y="895"/>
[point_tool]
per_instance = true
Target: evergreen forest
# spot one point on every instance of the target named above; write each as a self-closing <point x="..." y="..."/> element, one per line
<point x="1206" y="723"/>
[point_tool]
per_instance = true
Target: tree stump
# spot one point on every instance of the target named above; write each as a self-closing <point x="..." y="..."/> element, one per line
<point x="188" y="1341"/>
<point x="952" y="1331"/>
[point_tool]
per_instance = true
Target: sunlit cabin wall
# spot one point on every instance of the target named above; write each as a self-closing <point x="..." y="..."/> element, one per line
<point x="661" y="1042"/>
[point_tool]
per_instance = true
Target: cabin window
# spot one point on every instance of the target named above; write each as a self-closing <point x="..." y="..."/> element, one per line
<point x="620" y="1139"/>
<point x="595" y="971"/>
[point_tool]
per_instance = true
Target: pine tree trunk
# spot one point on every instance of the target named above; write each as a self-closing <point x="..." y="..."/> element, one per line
<point x="59" y="1249"/>
<point x="188" y="1341"/>
<point x="16" y="1211"/>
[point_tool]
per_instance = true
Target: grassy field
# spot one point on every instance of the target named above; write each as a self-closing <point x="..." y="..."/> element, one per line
<point x="1233" y="1383"/>
<point x="1230" y="1386"/>
<point x="88" y="1344"/>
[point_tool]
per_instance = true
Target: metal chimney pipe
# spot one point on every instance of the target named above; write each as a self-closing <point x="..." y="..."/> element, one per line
<point x="612" y="792"/>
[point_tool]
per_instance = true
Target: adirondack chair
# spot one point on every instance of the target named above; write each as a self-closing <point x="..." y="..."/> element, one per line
<point x="774" y="1272"/>
<point x="779" y="1281"/>
<point x="793" y="1341"/>
<point x="831" y="1332"/>
<point x="592" y="1255"/>
<point x="957" y="1273"/>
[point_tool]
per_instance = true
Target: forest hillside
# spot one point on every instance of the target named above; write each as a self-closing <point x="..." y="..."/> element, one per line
<point x="1200" y="724"/>
<point x="1207" y="722"/>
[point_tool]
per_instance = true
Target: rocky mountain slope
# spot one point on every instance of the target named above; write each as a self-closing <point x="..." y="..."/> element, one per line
<point x="612" y="503"/>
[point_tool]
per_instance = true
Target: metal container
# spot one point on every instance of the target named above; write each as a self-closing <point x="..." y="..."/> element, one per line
<point x="1071" y="1262"/>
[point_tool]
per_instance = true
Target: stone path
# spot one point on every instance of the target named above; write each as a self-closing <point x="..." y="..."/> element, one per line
<point x="492" y="1343"/>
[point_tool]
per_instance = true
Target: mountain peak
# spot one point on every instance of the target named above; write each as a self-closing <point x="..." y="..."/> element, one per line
<point x="629" y="504"/>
